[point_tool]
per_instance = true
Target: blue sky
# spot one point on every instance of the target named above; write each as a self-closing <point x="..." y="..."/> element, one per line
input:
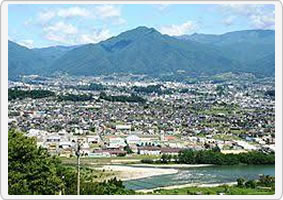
<point x="42" y="25"/>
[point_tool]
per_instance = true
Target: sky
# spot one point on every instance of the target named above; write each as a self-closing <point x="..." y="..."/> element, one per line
<point x="43" y="25"/>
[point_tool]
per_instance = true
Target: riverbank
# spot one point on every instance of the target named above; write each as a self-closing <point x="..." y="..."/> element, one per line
<point x="125" y="173"/>
<point x="171" y="187"/>
<point x="212" y="189"/>
<point x="172" y="165"/>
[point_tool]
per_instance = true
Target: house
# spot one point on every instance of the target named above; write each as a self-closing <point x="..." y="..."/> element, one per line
<point x="65" y="145"/>
<point x="93" y="139"/>
<point x="107" y="153"/>
<point x="53" y="138"/>
<point x="149" y="150"/>
<point x="36" y="133"/>
<point x="65" y="149"/>
<point x="133" y="139"/>
<point x="62" y="132"/>
<point x="98" y="154"/>
<point x="116" y="142"/>
<point x="134" y="148"/>
<point x="148" y="141"/>
<point x="246" y="145"/>
<point x="123" y="127"/>
<point x="168" y="138"/>
<point x="170" y="151"/>
<point x="85" y="150"/>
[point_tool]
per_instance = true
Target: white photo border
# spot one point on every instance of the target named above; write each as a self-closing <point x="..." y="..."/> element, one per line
<point x="278" y="104"/>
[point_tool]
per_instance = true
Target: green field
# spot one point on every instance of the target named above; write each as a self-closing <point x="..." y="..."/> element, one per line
<point x="224" y="189"/>
<point x="87" y="161"/>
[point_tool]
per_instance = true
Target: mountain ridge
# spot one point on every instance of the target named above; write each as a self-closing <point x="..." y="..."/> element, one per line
<point x="147" y="51"/>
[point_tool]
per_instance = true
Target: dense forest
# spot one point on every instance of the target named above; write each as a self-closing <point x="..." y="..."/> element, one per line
<point x="34" y="94"/>
<point x="218" y="158"/>
<point x="215" y="157"/>
<point x="151" y="89"/>
<point x="122" y="98"/>
<point x="93" y="86"/>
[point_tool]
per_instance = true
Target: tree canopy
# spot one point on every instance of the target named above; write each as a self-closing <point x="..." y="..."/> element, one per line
<point x="34" y="94"/>
<point x="31" y="170"/>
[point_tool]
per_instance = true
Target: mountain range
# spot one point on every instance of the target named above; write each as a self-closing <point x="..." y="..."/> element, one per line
<point x="146" y="51"/>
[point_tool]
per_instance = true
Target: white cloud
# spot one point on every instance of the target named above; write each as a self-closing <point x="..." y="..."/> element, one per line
<point x="73" y="12"/>
<point x="108" y="11"/>
<point x="162" y="7"/>
<point x="56" y="37"/>
<point x="259" y="16"/>
<point x="119" y="21"/>
<point x="26" y="43"/>
<point x="61" y="27"/>
<point x="229" y="20"/>
<point x="61" y="32"/>
<point x="241" y="9"/>
<point x="263" y="21"/>
<point x="95" y="37"/>
<point x="46" y="16"/>
<point x="111" y="13"/>
<point x="181" y="29"/>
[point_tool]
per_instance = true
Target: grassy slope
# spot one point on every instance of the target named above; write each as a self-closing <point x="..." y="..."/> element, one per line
<point x="228" y="190"/>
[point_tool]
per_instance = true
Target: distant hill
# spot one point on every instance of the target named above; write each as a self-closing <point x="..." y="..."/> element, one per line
<point x="50" y="54"/>
<point x="22" y="60"/>
<point x="254" y="49"/>
<point x="145" y="50"/>
<point x="25" y="61"/>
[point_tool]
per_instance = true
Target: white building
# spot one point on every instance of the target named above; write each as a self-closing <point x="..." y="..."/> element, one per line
<point x="133" y="139"/>
<point x="149" y="151"/>
<point x="94" y="139"/>
<point x="123" y="127"/>
<point x="116" y="142"/>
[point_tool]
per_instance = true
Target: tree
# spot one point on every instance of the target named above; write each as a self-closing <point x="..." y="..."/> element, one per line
<point x="31" y="170"/>
<point x="110" y="187"/>
<point x="240" y="182"/>
<point x="250" y="184"/>
<point x="213" y="157"/>
<point x="128" y="149"/>
<point x="164" y="158"/>
<point x="15" y="93"/>
<point x="266" y="181"/>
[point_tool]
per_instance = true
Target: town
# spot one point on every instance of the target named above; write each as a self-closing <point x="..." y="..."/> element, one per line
<point x="126" y="115"/>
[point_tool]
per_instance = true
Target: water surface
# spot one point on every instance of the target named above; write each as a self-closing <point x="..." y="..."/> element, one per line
<point x="202" y="175"/>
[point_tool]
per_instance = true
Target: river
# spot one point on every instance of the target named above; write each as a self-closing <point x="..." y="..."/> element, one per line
<point x="202" y="175"/>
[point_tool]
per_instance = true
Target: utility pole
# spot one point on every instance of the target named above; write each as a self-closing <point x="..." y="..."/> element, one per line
<point x="78" y="154"/>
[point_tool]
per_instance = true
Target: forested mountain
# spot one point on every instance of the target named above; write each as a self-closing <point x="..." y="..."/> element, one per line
<point x="50" y="54"/>
<point x="145" y="50"/>
<point x="254" y="49"/>
<point x="22" y="60"/>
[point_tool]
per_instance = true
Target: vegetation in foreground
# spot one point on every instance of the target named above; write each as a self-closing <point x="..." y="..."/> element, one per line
<point x="32" y="171"/>
<point x="224" y="189"/>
